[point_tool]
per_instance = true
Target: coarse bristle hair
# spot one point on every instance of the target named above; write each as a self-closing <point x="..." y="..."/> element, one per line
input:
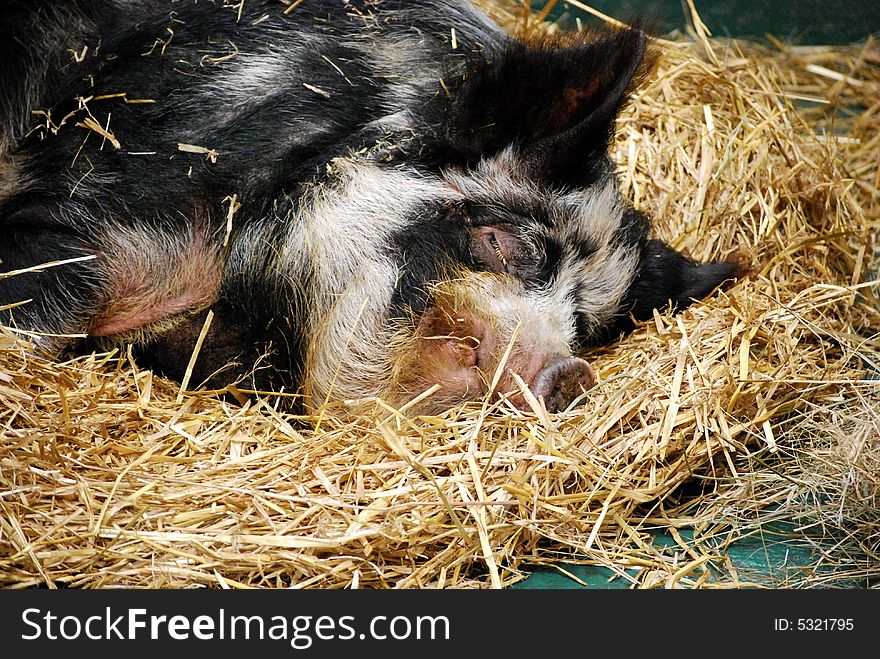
<point x="759" y="404"/>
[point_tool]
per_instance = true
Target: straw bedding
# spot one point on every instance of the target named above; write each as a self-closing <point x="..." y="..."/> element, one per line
<point x="760" y="404"/>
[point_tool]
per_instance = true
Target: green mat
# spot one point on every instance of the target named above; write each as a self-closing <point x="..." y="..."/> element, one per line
<point x="795" y="22"/>
<point x="775" y="557"/>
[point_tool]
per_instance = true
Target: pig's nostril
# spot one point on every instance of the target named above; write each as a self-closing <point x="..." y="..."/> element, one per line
<point x="562" y="380"/>
<point x="465" y="351"/>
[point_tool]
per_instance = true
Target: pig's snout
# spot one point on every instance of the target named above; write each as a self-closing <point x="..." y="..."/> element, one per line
<point x="561" y="381"/>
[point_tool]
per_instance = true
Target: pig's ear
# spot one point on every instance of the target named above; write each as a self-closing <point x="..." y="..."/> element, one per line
<point x="667" y="278"/>
<point x="557" y="106"/>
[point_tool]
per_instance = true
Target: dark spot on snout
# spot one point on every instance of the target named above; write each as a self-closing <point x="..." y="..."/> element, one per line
<point x="562" y="380"/>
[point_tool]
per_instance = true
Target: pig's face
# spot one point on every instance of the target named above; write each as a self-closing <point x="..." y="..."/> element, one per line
<point x="490" y="264"/>
<point x="465" y="279"/>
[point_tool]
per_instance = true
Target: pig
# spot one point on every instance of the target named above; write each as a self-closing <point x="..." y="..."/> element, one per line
<point x="373" y="198"/>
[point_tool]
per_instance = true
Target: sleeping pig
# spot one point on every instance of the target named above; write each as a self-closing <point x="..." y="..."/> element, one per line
<point x="373" y="197"/>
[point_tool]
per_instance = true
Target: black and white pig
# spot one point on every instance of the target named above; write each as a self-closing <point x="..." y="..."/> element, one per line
<point x="372" y="196"/>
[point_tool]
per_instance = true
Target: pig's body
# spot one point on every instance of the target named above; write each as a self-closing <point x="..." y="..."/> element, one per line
<point x="372" y="197"/>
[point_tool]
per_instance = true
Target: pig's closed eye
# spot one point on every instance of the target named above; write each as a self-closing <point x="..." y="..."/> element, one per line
<point x="497" y="249"/>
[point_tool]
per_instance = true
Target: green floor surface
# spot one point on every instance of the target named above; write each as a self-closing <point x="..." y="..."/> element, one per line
<point x="774" y="558"/>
